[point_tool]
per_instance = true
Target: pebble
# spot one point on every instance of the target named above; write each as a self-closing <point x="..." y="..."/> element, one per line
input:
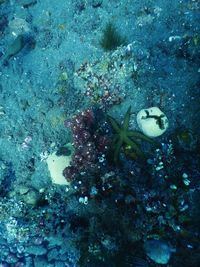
<point x="40" y="262"/>
<point x="31" y="198"/>
<point x="11" y="258"/>
<point x="36" y="250"/>
<point x="23" y="189"/>
<point x="59" y="264"/>
<point x="53" y="254"/>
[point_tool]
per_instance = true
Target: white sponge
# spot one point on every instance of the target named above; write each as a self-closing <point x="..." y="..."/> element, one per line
<point x="152" y="121"/>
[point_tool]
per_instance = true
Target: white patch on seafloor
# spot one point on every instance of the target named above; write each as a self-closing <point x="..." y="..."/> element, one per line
<point x="56" y="165"/>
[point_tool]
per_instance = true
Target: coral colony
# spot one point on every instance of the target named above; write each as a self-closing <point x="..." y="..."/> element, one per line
<point x="89" y="142"/>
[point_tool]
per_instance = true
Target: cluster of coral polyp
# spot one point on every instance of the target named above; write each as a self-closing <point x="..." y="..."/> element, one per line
<point x="90" y="144"/>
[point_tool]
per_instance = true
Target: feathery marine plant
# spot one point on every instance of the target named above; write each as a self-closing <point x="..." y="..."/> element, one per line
<point x="111" y="38"/>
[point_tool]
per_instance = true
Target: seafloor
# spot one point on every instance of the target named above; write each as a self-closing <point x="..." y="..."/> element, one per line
<point x="121" y="199"/>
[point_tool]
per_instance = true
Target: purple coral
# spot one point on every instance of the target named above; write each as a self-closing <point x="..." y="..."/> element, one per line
<point x="89" y="143"/>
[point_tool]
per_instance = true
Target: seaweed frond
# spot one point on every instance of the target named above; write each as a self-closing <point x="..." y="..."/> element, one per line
<point x="111" y="39"/>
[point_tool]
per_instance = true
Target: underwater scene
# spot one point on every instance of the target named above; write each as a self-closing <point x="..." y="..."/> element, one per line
<point x="99" y="133"/>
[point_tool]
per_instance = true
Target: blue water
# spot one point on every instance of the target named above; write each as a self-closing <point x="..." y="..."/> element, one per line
<point x="73" y="77"/>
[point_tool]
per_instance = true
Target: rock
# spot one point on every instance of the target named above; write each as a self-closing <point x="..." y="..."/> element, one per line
<point x="11" y="258"/>
<point x="186" y="140"/>
<point x="26" y="3"/>
<point x="18" y="26"/>
<point x="59" y="264"/>
<point x="36" y="250"/>
<point x="96" y="3"/>
<point x="152" y="121"/>
<point x="158" y="251"/>
<point x="64" y="257"/>
<point x="23" y="189"/>
<point x="53" y="254"/>
<point x="22" y="41"/>
<point x="40" y="261"/>
<point x="14" y="48"/>
<point x="31" y="198"/>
